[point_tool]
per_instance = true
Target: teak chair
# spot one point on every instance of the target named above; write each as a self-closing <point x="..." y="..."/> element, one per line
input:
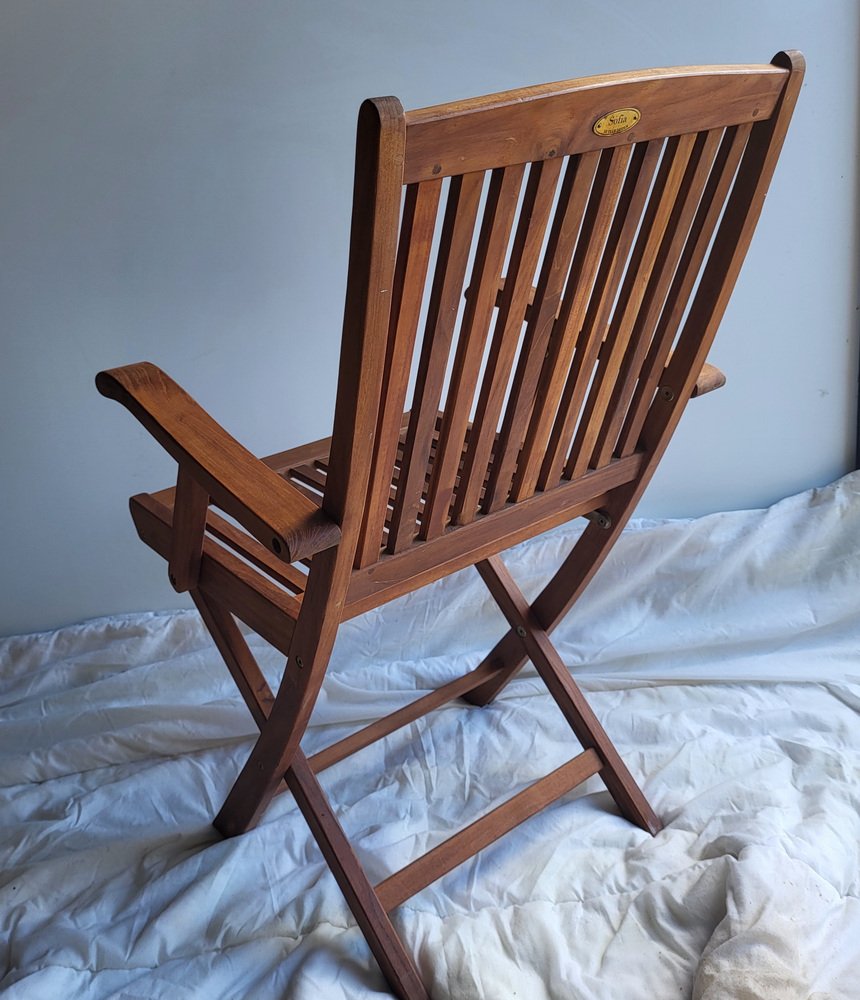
<point x="567" y="252"/>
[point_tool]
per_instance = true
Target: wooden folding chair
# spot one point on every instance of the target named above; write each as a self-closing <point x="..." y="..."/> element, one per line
<point x="567" y="252"/>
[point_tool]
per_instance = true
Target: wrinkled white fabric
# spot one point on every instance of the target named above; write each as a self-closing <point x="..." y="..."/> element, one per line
<point x="722" y="657"/>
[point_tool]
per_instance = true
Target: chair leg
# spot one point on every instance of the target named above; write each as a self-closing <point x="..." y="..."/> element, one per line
<point x="396" y="964"/>
<point x="282" y="731"/>
<point x="249" y="679"/>
<point x="507" y="657"/>
<point x="387" y="948"/>
<point x="582" y="720"/>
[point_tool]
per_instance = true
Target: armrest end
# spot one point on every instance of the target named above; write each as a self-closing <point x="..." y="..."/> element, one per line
<point x="273" y="511"/>
<point x="710" y="378"/>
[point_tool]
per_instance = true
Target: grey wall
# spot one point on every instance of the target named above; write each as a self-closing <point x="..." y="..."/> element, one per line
<point x="174" y="186"/>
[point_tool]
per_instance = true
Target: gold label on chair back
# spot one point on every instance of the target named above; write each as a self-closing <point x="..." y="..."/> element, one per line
<point x="616" y="121"/>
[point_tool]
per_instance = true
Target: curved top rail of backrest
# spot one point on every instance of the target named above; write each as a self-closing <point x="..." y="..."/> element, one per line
<point x="538" y="123"/>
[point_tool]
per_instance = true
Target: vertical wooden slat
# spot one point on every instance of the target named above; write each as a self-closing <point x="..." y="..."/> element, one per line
<point x="698" y="171"/>
<point x="643" y="259"/>
<point x="413" y="256"/>
<point x="624" y="225"/>
<point x="486" y="274"/>
<point x="531" y="226"/>
<point x="568" y="328"/>
<point x="564" y="231"/>
<point x="453" y="256"/>
<point x="604" y="193"/>
<point x="367" y="310"/>
<point x="698" y="241"/>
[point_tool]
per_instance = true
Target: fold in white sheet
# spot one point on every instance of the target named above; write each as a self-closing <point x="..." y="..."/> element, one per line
<point x="720" y="654"/>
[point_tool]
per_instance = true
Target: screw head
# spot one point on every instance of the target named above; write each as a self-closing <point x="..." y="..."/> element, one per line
<point x="521" y="632"/>
<point x="299" y="662"/>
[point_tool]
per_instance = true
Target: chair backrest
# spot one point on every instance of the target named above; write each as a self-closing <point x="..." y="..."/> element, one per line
<point x="535" y="279"/>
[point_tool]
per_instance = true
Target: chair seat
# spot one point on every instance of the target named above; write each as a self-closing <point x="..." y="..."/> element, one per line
<point x="272" y="598"/>
<point x="275" y="594"/>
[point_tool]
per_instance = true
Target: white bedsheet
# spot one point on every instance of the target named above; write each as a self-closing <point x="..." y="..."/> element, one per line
<point x="722" y="657"/>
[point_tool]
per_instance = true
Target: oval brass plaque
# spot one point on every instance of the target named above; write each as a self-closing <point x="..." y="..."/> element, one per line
<point x="616" y="121"/>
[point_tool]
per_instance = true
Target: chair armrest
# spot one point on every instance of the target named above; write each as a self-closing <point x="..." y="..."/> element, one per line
<point x="273" y="511"/>
<point x="710" y="378"/>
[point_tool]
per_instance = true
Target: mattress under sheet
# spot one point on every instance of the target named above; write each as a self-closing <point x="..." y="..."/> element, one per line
<point x="722" y="656"/>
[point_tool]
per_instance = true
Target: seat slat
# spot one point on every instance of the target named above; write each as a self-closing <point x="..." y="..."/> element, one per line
<point x="249" y="548"/>
<point x="244" y="544"/>
<point x="311" y="494"/>
<point x="282" y="461"/>
<point x="310" y="475"/>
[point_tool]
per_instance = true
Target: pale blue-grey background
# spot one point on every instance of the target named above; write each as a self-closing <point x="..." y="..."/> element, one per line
<point x="175" y="181"/>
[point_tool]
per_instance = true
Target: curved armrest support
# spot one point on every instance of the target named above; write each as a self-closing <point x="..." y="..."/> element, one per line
<point x="273" y="511"/>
